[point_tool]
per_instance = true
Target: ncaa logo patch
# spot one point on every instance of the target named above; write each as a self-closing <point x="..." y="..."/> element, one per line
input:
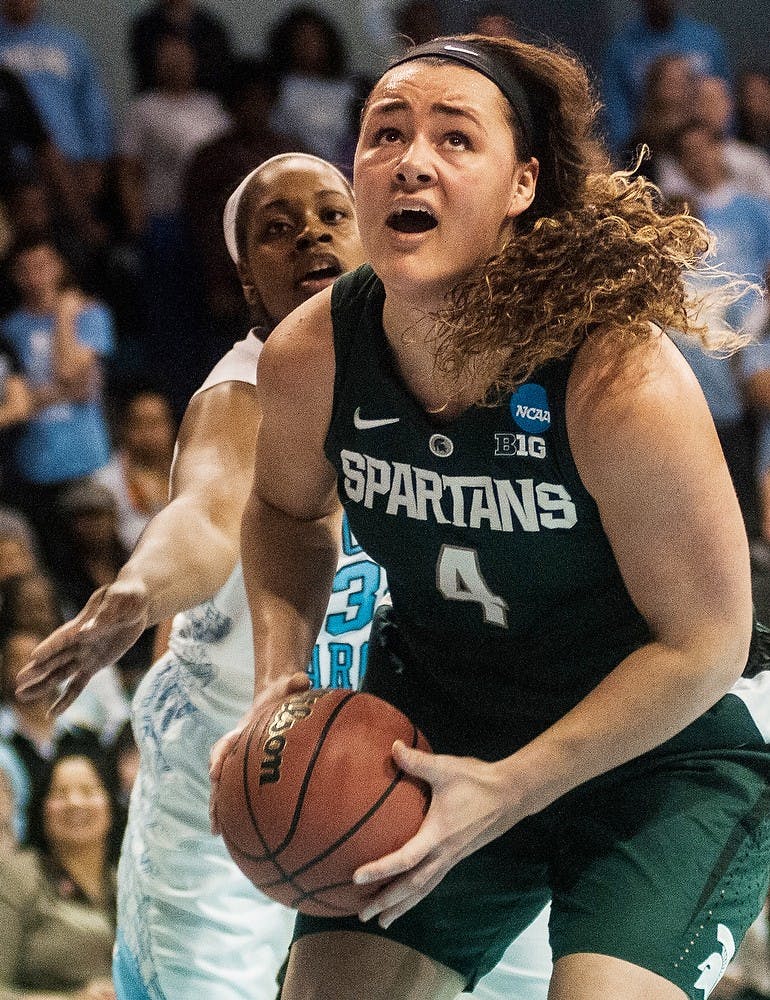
<point x="529" y="408"/>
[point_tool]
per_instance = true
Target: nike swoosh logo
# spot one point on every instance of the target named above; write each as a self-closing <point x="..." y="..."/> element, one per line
<point x="362" y="424"/>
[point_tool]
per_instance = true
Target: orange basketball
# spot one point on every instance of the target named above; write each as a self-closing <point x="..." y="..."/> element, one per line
<point x="310" y="792"/>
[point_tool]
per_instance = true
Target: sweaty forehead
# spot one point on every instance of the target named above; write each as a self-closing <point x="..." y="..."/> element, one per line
<point x="447" y="83"/>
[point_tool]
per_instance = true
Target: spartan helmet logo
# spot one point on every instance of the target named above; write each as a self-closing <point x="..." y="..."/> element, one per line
<point x="441" y="445"/>
<point x="712" y="970"/>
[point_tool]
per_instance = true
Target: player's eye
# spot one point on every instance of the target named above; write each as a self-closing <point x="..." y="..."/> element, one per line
<point x="276" y="228"/>
<point x="333" y="216"/>
<point x="457" y="140"/>
<point x="386" y="136"/>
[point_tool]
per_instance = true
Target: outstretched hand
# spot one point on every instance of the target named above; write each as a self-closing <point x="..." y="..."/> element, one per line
<point x="272" y="694"/>
<point x="109" y="625"/>
<point x="470" y="806"/>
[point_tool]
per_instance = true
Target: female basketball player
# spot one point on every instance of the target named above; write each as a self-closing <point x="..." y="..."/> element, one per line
<point x="190" y="923"/>
<point x="520" y="446"/>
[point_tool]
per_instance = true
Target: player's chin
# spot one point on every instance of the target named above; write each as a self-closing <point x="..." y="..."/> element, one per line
<point x="307" y="289"/>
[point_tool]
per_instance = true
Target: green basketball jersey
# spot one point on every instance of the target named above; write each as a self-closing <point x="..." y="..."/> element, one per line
<point x="501" y="575"/>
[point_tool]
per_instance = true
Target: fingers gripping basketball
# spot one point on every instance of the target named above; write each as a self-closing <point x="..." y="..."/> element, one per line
<point x="310" y="792"/>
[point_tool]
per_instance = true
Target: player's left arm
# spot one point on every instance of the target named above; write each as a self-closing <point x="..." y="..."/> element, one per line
<point x="647" y="450"/>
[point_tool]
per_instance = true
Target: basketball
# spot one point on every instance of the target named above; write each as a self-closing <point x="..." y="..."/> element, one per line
<point x="310" y="792"/>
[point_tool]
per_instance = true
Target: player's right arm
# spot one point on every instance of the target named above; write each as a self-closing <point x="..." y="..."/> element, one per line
<point x="290" y="535"/>
<point x="184" y="556"/>
<point x="291" y="525"/>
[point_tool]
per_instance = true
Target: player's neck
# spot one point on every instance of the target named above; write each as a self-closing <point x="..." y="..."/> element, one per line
<point x="411" y="336"/>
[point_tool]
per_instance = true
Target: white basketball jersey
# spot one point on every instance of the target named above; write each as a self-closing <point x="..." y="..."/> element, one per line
<point x="194" y="923"/>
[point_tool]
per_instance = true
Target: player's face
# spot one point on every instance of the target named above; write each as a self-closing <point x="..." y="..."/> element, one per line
<point x="302" y="235"/>
<point x="437" y="180"/>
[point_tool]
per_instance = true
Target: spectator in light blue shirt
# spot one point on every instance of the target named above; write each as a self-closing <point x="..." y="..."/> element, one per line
<point x="60" y="339"/>
<point x="658" y="30"/>
<point x="59" y="71"/>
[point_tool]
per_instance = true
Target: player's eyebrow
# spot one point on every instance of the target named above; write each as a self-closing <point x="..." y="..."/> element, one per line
<point x="386" y="107"/>
<point x="287" y="204"/>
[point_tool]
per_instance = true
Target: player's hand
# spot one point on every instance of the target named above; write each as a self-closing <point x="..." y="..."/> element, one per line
<point x="271" y="694"/>
<point x="470" y="806"/>
<point x="109" y="624"/>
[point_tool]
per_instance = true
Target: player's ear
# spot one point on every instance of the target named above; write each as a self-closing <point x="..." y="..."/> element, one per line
<point x="523" y="187"/>
<point x="250" y="290"/>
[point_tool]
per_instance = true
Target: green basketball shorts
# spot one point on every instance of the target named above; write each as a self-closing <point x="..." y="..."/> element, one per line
<point x="663" y="862"/>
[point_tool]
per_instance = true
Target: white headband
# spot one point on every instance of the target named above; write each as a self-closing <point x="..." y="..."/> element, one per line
<point x="233" y="202"/>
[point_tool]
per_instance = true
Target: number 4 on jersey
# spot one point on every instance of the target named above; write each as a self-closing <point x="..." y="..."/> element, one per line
<point x="458" y="578"/>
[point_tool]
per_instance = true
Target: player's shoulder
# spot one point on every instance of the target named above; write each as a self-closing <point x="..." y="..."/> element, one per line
<point x="613" y="379"/>
<point x="628" y="405"/>
<point x="300" y="350"/>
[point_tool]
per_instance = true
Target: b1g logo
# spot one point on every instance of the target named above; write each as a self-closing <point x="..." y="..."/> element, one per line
<point x="290" y="712"/>
<point x="516" y="445"/>
<point x="529" y="408"/>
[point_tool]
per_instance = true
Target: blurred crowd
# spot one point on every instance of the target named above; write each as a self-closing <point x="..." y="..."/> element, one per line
<point x="117" y="296"/>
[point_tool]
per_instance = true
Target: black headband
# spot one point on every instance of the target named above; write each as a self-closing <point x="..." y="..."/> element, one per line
<point x="460" y="51"/>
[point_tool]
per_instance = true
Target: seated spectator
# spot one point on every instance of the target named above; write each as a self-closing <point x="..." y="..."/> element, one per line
<point x="28" y="601"/>
<point x="163" y="128"/>
<point x="747" y="165"/>
<point x="27" y="729"/>
<point x="29" y="604"/>
<point x="60" y="338"/>
<point x="659" y="29"/>
<point x="495" y="20"/>
<point x="753" y="108"/>
<point x="108" y="271"/>
<point x="741" y="224"/>
<point x="317" y="94"/>
<point x="206" y="35"/>
<point x="250" y="94"/>
<point x="666" y="106"/>
<point x="417" y="21"/>
<point x="14" y="801"/>
<point x="26" y="149"/>
<point x="16" y="557"/>
<point x="15" y="399"/>
<point x="62" y="81"/>
<point x="91" y="519"/>
<point x="138" y="474"/>
<point x="31" y="211"/>
<point x="57" y="905"/>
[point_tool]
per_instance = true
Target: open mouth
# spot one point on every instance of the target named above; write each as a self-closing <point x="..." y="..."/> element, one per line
<point x="323" y="271"/>
<point x="412" y="220"/>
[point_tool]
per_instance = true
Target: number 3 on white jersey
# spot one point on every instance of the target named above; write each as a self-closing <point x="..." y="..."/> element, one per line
<point x="458" y="578"/>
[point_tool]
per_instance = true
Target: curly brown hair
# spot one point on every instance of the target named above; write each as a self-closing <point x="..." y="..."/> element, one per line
<point x="596" y="252"/>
